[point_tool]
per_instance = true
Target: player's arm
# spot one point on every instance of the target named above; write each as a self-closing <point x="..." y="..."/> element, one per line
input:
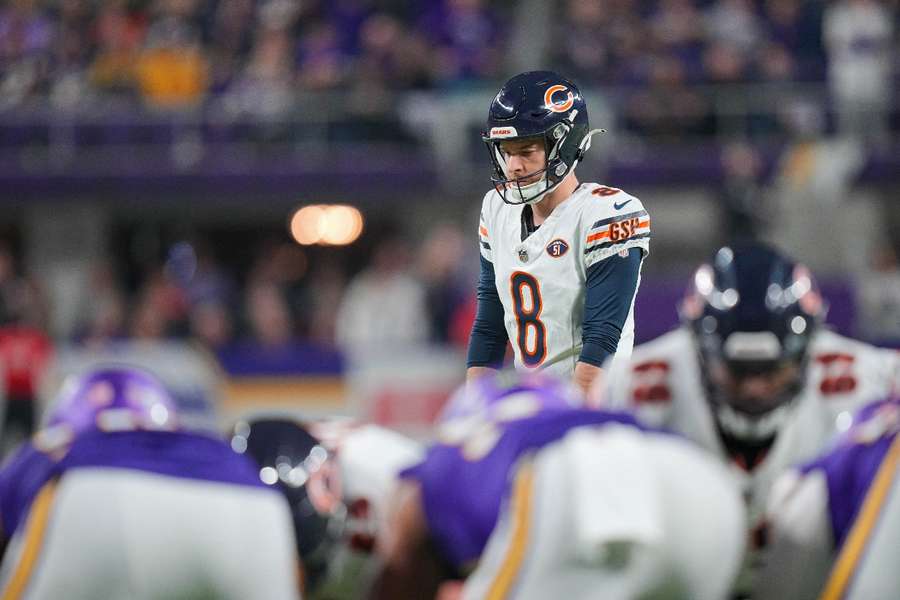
<point x="411" y="568"/>
<point x="487" y="342"/>
<point x="611" y="286"/>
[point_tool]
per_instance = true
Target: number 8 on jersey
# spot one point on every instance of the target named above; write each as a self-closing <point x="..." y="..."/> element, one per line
<point x="527" y="306"/>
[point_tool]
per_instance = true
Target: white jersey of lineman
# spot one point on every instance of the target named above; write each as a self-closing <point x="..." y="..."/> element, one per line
<point x="663" y="386"/>
<point x="369" y="458"/>
<point x="834" y="524"/>
<point x="615" y="509"/>
<point x="123" y="533"/>
<point x="541" y="281"/>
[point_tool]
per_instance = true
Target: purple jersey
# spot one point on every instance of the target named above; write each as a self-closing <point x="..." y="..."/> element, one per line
<point x="852" y="465"/>
<point x="462" y="494"/>
<point x="169" y="453"/>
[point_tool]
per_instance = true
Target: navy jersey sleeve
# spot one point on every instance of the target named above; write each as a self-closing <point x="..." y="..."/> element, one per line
<point x="487" y="343"/>
<point x="611" y="286"/>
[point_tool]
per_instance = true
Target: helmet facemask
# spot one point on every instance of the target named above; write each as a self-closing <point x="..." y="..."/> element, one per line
<point x="564" y="145"/>
<point x="751" y="399"/>
<point x="752" y="314"/>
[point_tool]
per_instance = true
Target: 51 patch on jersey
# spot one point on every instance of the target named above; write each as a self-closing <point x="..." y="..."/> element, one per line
<point x="557" y="248"/>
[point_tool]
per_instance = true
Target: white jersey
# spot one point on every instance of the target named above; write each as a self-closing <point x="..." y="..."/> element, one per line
<point x="834" y="523"/>
<point x="541" y="280"/>
<point x="663" y="386"/>
<point x="618" y="510"/>
<point x="120" y="533"/>
<point x="369" y="459"/>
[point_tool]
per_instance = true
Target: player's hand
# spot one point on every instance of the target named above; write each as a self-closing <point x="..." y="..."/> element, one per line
<point x="450" y="590"/>
<point x="585" y="375"/>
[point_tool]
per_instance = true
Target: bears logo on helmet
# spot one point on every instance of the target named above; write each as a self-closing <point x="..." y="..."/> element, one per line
<point x="558" y="107"/>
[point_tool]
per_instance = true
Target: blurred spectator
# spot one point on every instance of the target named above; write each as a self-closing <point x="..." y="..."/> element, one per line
<point x="878" y="294"/>
<point x="172" y="69"/>
<point x="119" y="36"/>
<point x="582" y="50"/>
<point x="26" y="35"/>
<point x="266" y="83"/>
<point x="678" y="27"/>
<point x="25" y="349"/>
<point x="161" y="308"/>
<point x="439" y="269"/>
<point x="321" y="61"/>
<point x="230" y="39"/>
<point x="735" y="23"/>
<point x="775" y="63"/>
<point x="373" y="77"/>
<point x="72" y="49"/>
<point x="794" y="25"/>
<point x="384" y="306"/>
<point x="20" y="298"/>
<point x="206" y="281"/>
<point x="269" y="317"/>
<point x="24" y="353"/>
<point x="327" y="285"/>
<point x="285" y="265"/>
<point x="103" y="314"/>
<point x="466" y="35"/>
<point x="724" y="63"/>
<point x="348" y="17"/>
<point x="667" y="108"/>
<point x="858" y="38"/>
<point x="211" y="324"/>
<point x="741" y="196"/>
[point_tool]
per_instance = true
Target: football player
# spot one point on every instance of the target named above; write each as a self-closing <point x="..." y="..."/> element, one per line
<point x="752" y="376"/>
<point x="113" y="500"/>
<point x="338" y="476"/>
<point x="834" y="524"/>
<point x="594" y="503"/>
<point x="560" y="259"/>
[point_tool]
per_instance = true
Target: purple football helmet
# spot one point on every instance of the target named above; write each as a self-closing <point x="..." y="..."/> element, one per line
<point x="113" y="398"/>
<point x="512" y="393"/>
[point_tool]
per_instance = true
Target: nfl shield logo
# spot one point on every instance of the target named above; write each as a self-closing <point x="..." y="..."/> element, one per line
<point x="557" y="248"/>
<point x="523" y="255"/>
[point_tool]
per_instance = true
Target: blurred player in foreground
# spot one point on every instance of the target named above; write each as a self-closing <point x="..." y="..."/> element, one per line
<point x="560" y="260"/>
<point x="338" y="477"/>
<point x="835" y="523"/>
<point x="752" y="376"/>
<point x="111" y="500"/>
<point x="532" y="497"/>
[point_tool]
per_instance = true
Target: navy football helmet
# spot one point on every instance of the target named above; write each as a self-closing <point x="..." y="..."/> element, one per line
<point x="548" y="108"/>
<point x="752" y="312"/>
<point x="293" y="460"/>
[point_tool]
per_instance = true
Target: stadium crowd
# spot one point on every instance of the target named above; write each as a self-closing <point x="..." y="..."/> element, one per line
<point x="255" y="54"/>
<point x="285" y="294"/>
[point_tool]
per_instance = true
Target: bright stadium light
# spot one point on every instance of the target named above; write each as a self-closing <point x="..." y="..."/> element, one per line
<point x="342" y="225"/>
<point x="327" y="225"/>
<point x="305" y="225"/>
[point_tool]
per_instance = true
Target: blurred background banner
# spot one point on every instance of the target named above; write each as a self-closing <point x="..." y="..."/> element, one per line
<point x="268" y="187"/>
